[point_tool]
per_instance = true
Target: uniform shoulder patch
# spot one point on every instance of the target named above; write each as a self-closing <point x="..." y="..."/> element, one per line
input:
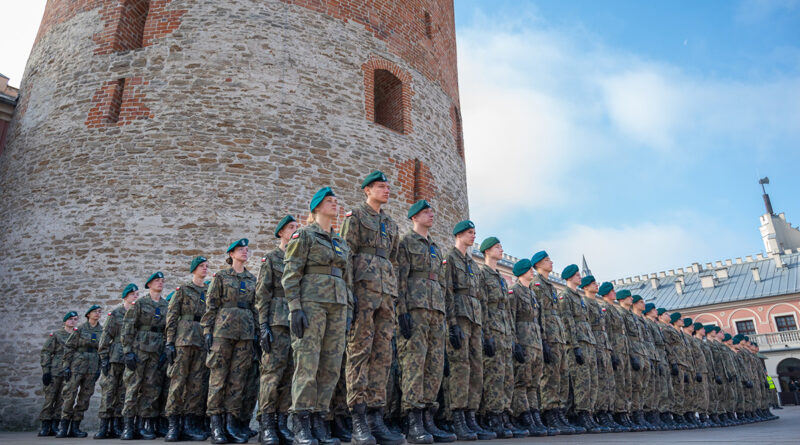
<point x="510" y="291"/>
<point x="295" y="235"/>
<point x="444" y="261"/>
<point x="74" y="329"/>
<point x="350" y="213"/>
<point x="561" y="297"/>
<point x="214" y="274"/>
<point x="603" y="309"/>
<point x="178" y="288"/>
<point x="263" y="259"/>
<point x="537" y="284"/>
<point x="51" y="334"/>
<point x="109" y="313"/>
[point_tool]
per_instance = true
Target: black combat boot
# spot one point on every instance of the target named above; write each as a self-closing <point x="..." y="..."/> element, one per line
<point x="128" y="430"/>
<point x="302" y="429"/>
<point x="361" y="433"/>
<point x="460" y="427"/>
<point x="516" y="431"/>
<point x="319" y="429"/>
<point x="173" y="429"/>
<point x="75" y="430"/>
<point x="235" y="434"/>
<point x="472" y="424"/>
<point x="340" y="429"/>
<point x="416" y="428"/>
<point x="537" y="419"/>
<point x="218" y="429"/>
<point x="102" y="432"/>
<point x="430" y="426"/>
<point x="189" y="431"/>
<point x="46" y="428"/>
<point x="652" y="420"/>
<point x="148" y="429"/>
<point x="283" y="428"/>
<point x="115" y="427"/>
<point x="63" y="428"/>
<point x="608" y="420"/>
<point x="666" y="419"/>
<point x="161" y="426"/>
<point x="495" y="425"/>
<point x="584" y="422"/>
<point x="553" y="422"/>
<point x="528" y="422"/>
<point x="382" y="434"/>
<point x="597" y="421"/>
<point x="562" y="414"/>
<point x="269" y="430"/>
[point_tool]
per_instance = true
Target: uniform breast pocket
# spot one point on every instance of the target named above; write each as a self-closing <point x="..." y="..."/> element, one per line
<point x="370" y="231"/>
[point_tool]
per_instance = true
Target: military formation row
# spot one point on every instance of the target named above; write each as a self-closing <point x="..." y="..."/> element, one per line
<point x="314" y="336"/>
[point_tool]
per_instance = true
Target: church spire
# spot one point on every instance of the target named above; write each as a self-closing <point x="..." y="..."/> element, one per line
<point x="585" y="267"/>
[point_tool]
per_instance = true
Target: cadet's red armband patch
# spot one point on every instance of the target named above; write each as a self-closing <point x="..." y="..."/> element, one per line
<point x="295" y="235"/>
<point x="444" y="261"/>
<point x="350" y="213"/>
<point x="263" y="259"/>
<point x="510" y="291"/>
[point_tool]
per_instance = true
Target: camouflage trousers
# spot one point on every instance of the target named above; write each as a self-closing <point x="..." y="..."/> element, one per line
<point x="466" y="368"/>
<point x="143" y="386"/>
<point x="554" y="385"/>
<point x="112" y="391"/>
<point x="606" y="385"/>
<point x="526" y="381"/>
<point x="622" y="383"/>
<point x="187" y="377"/>
<point x="338" y="406"/>
<point x="394" y="397"/>
<point x="369" y="349"/>
<point x="660" y="382"/>
<point x="498" y="377"/>
<point x="698" y="393"/>
<point x="421" y="359"/>
<point x="76" y="393"/>
<point x="640" y="384"/>
<point x="51" y="409"/>
<point x="679" y="395"/>
<point x="583" y="378"/>
<point x="229" y="363"/>
<point x="251" y="389"/>
<point x="318" y="356"/>
<point x="277" y="367"/>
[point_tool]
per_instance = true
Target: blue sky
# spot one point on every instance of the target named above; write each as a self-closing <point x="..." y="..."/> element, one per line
<point x="632" y="132"/>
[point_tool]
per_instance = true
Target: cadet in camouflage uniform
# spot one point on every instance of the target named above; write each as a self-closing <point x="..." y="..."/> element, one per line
<point x="112" y="390"/>
<point x="317" y="280"/>
<point x="275" y="396"/>
<point x="647" y="358"/>
<point x="498" y="337"/>
<point x="186" y="355"/>
<point x="615" y="327"/>
<point x="527" y="331"/>
<point x="681" y="368"/>
<point x="718" y="375"/>
<point x="554" y="385"/>
<point x="604" y="401"/>
<point x="653" y="389"/>
<point x="229" y="330"/>
<point x="704" y="401"/>
<point x="673" y="345"/>
<point x="51" y="359"/>
<point x="663" y="384"/>
<point x="373" y="238"/>
<point x="581" y="347"/>
<point x="421" y="324"/>
<point x="81" y="371"/>
<point x="640" y="362"/>
<point x="142" y="345"/>
<point x="692" y="387"/>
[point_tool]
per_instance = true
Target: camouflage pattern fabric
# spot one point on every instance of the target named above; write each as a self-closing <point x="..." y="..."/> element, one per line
<point x="277" y="367"/>
<point x="112" y="390"/>
<point x="554" y="385"/>
<point x="51" y="359"/>
<point x="615" y="327"/>
<point x="525" y="312"/>
<point x="605" y="389"/>
<point x="80" y="355"/>
<point x="143" y="334"/>
<point x="498" y="371"/>
<point x="583" y="378"/>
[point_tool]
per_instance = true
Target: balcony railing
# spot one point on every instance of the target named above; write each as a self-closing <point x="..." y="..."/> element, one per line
<point x="777" y="340"/>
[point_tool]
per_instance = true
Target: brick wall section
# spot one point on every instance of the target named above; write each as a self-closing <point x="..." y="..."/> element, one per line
<point x="457" y="129"/>
<point x="395" y="112"/>
<point x="118" y="102"/>
<point x="389" y="105"/>
<point x="414" y="179"/>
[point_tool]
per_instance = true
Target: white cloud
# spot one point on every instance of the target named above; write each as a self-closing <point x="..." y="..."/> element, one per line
<point x="22" y="20"/>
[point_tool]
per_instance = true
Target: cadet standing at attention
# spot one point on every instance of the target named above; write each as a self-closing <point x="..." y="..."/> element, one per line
<point x="187" y="357"/>
<point x="317" y="277"/>
<point x="81" y="371"/>
<point x="421" y="324"/>
<point x="604" y="401"/>
<point x="649" y="389"/>
<point x="229" y="330"/>
<point x="51" y="360"/>
<point x="615" y="326"/>
<point x="275" y="392"/>
<point x="662" y="382"/>
<point x="640" y="361"/>
<point x="112" y="390"/>
<point x="142" y="345"/>
<point x="373" y="239"/>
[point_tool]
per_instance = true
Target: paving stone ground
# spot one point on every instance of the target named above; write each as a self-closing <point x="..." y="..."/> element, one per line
<point x="785" y="430"/>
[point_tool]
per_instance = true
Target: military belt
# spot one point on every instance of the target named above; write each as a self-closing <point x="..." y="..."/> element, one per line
<point x="239" y="304"/>
<point x="377" y="251"/>
<point x="466" y="295"/>
<point x="189" y="317"/>
<point x="147" y="327"/>
<point x="324" y="270"/>
<point x="87" y="349"/>
<point x="278" y="293"/>
<point x="426" y="275"/>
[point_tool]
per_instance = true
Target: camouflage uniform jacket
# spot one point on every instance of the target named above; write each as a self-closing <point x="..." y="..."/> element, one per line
<point x="648" y="343"/>
<point x="111" y="341"/>
<point x="615" y="328"/>
<point x="80" y="352"/>
<point x="526" y="313"/>
<point x="722" y="364"/>
<point x="463" y="291"/>
<point x="270" y="300"/>
<point x="317" y="268"/>
<point x="52" y="355"/>
<point x="575" y="316"/>
<point x="633" y="329"/>
<point x="143" y="325"/>
<point x="552" y="326"/>
<point x="657" y="333"/>
<point x="497" y="321"/>
<point x="698" y="358"/>
<point x="597" y="319"/>
<point x="420" y="274"/>
<point x="373" y="239"/>
<point x="677" y="349"/>
<point x="705" y="346"/>
<point x="186" y="309"/>
<point x="231" y="306"/>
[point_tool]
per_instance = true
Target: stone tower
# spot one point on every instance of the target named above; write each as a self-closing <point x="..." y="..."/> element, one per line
<point x="151" y="131"/>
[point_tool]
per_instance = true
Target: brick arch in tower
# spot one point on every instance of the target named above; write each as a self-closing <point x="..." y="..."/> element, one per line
<point x="387" y="94"/>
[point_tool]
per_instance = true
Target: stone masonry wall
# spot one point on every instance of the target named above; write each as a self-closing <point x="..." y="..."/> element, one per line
<point x="121" y="163"/>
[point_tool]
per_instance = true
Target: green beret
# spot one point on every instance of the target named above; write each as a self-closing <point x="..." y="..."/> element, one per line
<point x="623" y="294"/>
<point x="697" y="326"/>
<point x="709" y="327"/>
<point x="196" y="262"/>
<point x="637" y="298"/>
<point x="153" y="277"/>
<point x="521" y="267"/>
<point x="321" y="194"/>
<point x="376" y="176"/>
<point x="169" y="297"/>
<point x="418" y="207"/>
<point x="661" y="311"/>
<point x="569" y="271"/>
<point x="739" y="336"/>
<point x="726" y="337"/>
<point x="717" y="328"/>
<point x="746" y="338"/>
<point x="282" y="223"/>
<point x="462" y="226"/>
<point x="754" y="344"/>
<point x="538" y="256"/>
<point x="242" y="242"/>
<point x="649" y="307"/>
<point x="687" y="322"/>
<point x="92" y="308"/>
<point x="605" y="289"/>
<point x="488" y="243"/>
<point x="675" y="316"/>
<point x="736" y="340"/>
<point x="69" y="315"/>
<point x="587" y="280"/>
<point x="128" y="289"/>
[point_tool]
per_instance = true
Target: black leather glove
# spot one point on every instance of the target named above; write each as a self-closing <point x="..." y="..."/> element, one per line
<point x="47" y="379"/>
<point x="67" y="373"/>
<point x="456" y="336"/>
<point x="162" y="360"/>
<point x="698" y="377"/>
<point x="674" y="370"/>
<point x="209" y="341"/>
<point x="614" y="361"/>
<point x="130" y="361"/>
<point x="266" y="338"/>
<point x="519" y="353"/>
<point x="489" y="347"/>
<point x="718" y="379"/>
<point x="749" y="384"/>
<point x="406" y="324"/>
<point x="578" y="355"/>
<point x="766" y="385"/>
<point x="170" y="352"/>
<point x="685" y="378"/>
<point x="299" y="322"/>
<point x="105" y="366"/>
<point x="547" y="354"/>
<point x="635" y="364"/>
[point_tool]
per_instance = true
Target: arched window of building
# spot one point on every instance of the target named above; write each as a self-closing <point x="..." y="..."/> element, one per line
<point x="388" y="100"/>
